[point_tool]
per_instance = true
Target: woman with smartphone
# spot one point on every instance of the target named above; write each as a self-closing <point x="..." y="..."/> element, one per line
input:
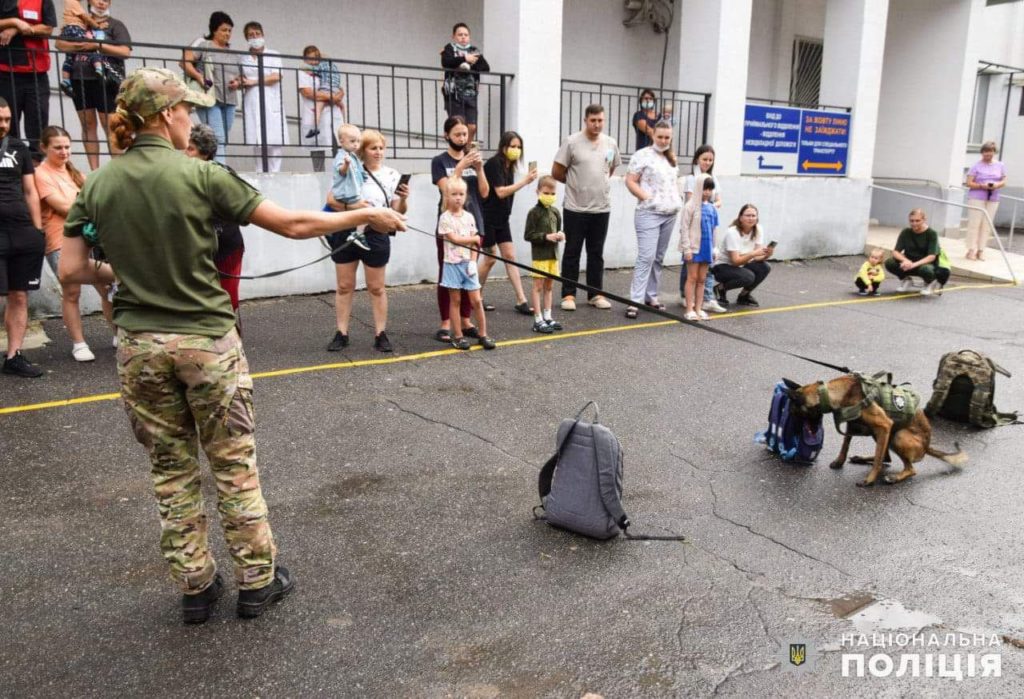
<point x="461" y="159"/>
<point x="497" y="209"/>
<point x="383" y="188"/>
<point x="984" y="180"/>
<point x="741" y="258"/>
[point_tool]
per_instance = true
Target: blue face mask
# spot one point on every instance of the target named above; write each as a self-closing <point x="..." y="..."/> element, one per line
<point x="461" y="47"/>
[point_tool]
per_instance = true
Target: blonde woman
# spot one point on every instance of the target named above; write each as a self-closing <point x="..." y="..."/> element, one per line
<point x="381" y="189"/>
<point x="984" y="180"/>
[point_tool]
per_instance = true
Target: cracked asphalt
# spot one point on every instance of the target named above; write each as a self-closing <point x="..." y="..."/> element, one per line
<point x="400" y="494"/>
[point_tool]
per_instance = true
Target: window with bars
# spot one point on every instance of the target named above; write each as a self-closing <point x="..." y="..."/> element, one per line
<point x="805" y="76"/>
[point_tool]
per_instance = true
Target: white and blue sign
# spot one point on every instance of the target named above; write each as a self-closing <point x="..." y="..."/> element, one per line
<point x="791" y="141"/>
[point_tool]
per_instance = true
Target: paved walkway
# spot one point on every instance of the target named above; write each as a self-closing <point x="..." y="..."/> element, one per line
<point x="993" y="268"/>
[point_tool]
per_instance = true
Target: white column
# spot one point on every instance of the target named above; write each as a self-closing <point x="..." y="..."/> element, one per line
<point x="714" y="45"/>
<point x="931" y="59"/>
<point x="851" y="72"/>
<point x="525" y="37"/>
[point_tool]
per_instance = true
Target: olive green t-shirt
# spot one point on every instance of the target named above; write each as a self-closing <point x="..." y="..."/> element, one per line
<point x="917" y="245"/>
<point x="153" y="209"/>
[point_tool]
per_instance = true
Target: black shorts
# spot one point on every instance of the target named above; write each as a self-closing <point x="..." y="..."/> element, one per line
<point x="377" y="256"/>
<point x="94" y="93"/>
<point x="495" y="235"/>
<point x="464" y="107"/>
<point x="21" y="259"/>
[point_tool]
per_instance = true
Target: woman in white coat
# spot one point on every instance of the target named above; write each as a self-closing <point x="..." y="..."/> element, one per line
<point x="277" y="134"/>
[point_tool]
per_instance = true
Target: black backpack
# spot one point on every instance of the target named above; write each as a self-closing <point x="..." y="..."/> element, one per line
<point x="964" y="388"/>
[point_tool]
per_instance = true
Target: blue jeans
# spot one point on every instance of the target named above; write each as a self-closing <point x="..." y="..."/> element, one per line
<point x="219" y="117"/>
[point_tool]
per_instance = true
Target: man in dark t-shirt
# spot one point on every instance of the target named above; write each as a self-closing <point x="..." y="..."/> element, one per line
<point x="21" y="242"/>
<point x="916" y="254"/>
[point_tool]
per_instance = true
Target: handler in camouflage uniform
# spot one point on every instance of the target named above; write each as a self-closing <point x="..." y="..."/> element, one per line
<point x="183" y="372"/>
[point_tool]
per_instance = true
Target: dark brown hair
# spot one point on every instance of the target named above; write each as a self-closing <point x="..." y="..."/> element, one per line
<point x="52" y="132"/>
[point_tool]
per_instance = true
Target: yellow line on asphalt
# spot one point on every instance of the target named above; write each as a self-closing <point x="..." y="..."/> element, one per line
<point x="504" y="343"/>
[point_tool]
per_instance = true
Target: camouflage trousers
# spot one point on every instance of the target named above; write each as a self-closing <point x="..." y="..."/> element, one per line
<point x="181" y="391"/>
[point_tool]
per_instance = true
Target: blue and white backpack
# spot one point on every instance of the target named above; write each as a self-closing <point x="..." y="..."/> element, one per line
<point x="793" y="437"/>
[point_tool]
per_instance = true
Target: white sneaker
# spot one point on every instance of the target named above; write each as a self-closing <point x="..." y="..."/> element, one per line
<point x="714" y="307"/>
<point x="568" y="303"/>
<point x="904" y="286"/>
<point x="81" y="352"/>
<point x="702" y="315"/>
<point x="600" y="302"/>
<point x="930" y="289"/>
<point x="690" y="315"/>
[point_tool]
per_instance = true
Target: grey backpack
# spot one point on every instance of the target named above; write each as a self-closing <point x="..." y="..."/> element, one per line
<point x="581" y="485"/>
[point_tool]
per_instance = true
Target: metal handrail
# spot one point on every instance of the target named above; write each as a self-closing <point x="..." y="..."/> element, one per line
<point x="995" y="234"/>
<point x="636" y="88"/>
<point x="1013" y="216"/>
<point x="404" y="101"/>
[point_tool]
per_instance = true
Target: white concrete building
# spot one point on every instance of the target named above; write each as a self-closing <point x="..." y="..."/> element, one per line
<point x="914" y="85"/>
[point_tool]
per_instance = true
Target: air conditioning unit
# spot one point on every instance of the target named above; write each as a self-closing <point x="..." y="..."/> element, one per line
<point x="658" y="13"/>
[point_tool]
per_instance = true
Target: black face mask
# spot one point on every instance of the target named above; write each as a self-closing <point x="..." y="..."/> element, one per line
<point x="457" y="147"/>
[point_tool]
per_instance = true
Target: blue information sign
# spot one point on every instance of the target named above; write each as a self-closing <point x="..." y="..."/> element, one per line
<point x="791" y="141"/>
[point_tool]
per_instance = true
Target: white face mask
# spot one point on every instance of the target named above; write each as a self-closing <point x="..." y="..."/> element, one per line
<point x="97" y="12"/>
<point x="661" y="149"/>
<point x="257" y="42"/>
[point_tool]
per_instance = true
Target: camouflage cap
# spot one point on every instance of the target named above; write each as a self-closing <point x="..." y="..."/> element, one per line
<point x="150" y="90"/>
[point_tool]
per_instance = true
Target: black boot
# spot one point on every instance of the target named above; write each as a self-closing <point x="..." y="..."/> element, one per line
<point x="196" y="609"/>
<point x="252" y="603"/>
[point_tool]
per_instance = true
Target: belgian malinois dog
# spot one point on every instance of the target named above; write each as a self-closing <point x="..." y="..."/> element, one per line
<point x="910" y="442"/>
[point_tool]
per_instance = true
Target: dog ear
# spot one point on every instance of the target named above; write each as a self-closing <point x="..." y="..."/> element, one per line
<point x="795" y="395"/>
<point x="790" y="383"/>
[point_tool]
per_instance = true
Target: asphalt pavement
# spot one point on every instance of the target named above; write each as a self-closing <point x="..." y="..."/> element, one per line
<point x="400" y="491"/>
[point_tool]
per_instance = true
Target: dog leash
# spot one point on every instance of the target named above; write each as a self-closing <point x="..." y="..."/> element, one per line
<point x="279" y="272"/>
<point x="645" y="308"/>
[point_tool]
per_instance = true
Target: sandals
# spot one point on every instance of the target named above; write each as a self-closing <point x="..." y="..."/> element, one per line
<point x="461" y="343"/>
<point x="523" y="308"/>
<point x="632" y="312"/>
<point x="654" y="303"/>
<point x="489" y="307"/>
<point x="445" y="335"/>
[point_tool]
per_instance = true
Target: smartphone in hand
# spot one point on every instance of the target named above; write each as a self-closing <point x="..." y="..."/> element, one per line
<point x="404" y="179"/>
<point x="532" y="165"/>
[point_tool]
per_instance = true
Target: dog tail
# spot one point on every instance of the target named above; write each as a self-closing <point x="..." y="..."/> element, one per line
<point x="957" y="458"/>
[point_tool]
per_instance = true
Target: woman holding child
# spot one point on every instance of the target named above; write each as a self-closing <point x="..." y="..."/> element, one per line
<point x="652" y="180"/>
<point x="380" y="190"/>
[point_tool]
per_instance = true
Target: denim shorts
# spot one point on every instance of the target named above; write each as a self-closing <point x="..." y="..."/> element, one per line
<point x="456" y="276"/>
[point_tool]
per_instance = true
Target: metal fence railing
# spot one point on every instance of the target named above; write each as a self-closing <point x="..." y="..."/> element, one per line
<point x="402" y="101"/>
<point x="621" y="102"/>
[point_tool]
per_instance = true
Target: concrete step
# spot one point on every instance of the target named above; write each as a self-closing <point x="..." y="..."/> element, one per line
<point x="993" y="268"/>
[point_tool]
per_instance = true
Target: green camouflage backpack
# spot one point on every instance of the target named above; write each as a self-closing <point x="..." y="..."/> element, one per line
<point x="964" y="390"/>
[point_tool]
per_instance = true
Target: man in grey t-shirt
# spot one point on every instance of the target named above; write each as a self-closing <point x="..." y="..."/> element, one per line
<point x="584" y="162"/>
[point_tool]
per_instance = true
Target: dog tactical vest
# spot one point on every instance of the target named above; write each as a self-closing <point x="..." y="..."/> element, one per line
<point x="964" y="390"/>
<point x="900" y="402"/>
